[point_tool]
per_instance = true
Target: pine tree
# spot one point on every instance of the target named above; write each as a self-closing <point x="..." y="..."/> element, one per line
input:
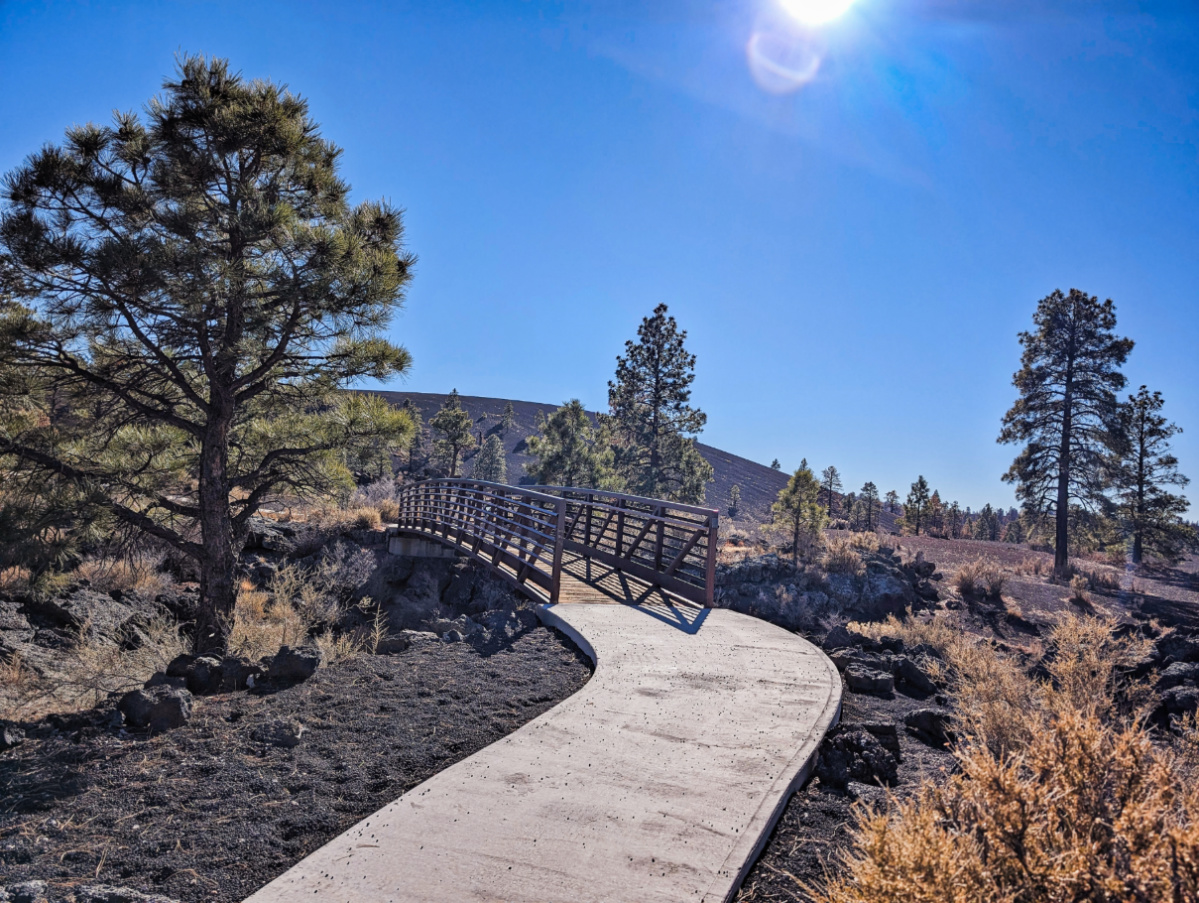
<point x="916" y="506"/>
<point x="892" y="501"/>
<point x="507" y="419"/>
<point x="798" y="512"/>
<point x="953" y="520"/>
<point x="936" y="514"/>
<point x="1150" y="515"/>
<point x="1014" y="533"/>
<point x="1067" y="415"/>
<point x="491" y="465"/>
<point x="654" y="424"/>
<point x="191" y="289"/>
<point x="775" y="465"/>
<point x="869" y="496"/>
<point x="830" y="485"/>
<point x="453" y="425"/>
<point x="986" y="525"/>
<point x="734" y="500"/>
<point x="570" y="451"/>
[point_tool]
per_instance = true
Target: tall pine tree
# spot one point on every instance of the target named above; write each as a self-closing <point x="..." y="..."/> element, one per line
<point x="655" y="425"/>
<point x="1067" y="414"/>
<point x="869" y="499"/>
<point x="191" y="289"/>
<point x="915" y="509"/>
<point x="1150" y="515"/>
<point x="830" y="485"/>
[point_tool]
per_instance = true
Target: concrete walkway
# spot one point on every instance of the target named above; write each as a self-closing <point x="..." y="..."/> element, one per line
<point x="658" y="781"/>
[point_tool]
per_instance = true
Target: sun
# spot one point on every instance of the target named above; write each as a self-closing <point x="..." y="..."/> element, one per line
<point x="815" y="12"/>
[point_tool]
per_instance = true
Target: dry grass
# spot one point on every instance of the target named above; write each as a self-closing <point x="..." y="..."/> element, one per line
<point x="389" y="511"/>
<point x="1060" y="793"/>
<point x="979" y="578"/>
<point x="137" y="573"/>
<point x="262" y="624"/>
<point x="14" y="580"/>
<point x="86" y="673"/>
<point x="842" y="556"/>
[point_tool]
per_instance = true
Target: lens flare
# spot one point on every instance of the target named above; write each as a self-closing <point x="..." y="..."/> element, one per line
<point x="781" y="64"/>
<point x="815" y="12"/>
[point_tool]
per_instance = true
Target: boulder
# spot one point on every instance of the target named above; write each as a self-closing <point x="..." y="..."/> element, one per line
<point x="860" y="679"/>
<point x="204" y="675"/>
<point x="294" y="665"/>
<point x="885" y="732"/>
<point x="910" y="674"/>
<point x="841" y="637"/>
<point x="854" y="755"/>
<point x="930" y="726"/>
<point x="1178" y="647"/>
<point x="1179" y="674"/>
<point x="10" y="735"/>
<point x="159" y="679"/>
<point x="157" y="708"/>
<point x="280" y="732"/>
<point x="452" y="636"/>
<point x="1178" y="701"/>
<point x="180" y="665"/>
<point x="238" y="673"/>
<point x="82" y="609"/>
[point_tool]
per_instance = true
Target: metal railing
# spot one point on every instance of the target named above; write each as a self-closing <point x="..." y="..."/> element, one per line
<point x="525" y="532"/>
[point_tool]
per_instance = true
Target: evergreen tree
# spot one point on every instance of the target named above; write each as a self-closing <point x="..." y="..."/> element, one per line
<point x="936" y="514"/>
<point x="892" y="501"/>
<point x="491" y="465"/>
<point x="1150" y="515"/>
<point x="570" y="451"/>
<point x="654" y="424"/>
<point x="953" y="520"/>
<point x="916" y="507"/>
<point x="775" y="465"/>
<point x="869" y="497"/>
<point x="453" y="427"/>
<point x="734" y="500"/>
<point x="1067" y="415"/>
<point x="797" y="511"/>
<point x="1014" y="533"/>
<point x="830" y="485"/>
<point x="986" y="525"/>
<point x="190" y="291"/>
<point x="507" y="419"/>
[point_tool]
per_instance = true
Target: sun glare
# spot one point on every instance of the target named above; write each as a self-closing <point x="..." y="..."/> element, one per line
<point x="815" y="12"/>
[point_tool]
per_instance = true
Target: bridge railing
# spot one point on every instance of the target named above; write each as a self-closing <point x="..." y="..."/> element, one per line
<point x="526" y="531"/>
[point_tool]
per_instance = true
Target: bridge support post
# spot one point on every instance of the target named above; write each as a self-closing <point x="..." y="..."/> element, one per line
<point x="559" y="547"/>
<point x="710" y="563"/>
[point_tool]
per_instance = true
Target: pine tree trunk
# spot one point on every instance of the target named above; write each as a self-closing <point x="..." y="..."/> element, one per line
<point x="219" y="559"/>
<point x="1061" y="550"/>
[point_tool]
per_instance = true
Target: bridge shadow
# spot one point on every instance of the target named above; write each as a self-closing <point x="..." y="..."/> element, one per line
<point x="590" y="578"/>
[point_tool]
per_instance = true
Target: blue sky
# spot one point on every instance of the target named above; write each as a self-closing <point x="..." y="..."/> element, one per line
<point x="852" y="222"/>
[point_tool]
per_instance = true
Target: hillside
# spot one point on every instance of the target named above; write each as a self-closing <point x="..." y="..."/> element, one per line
<point x="759" y="484"/>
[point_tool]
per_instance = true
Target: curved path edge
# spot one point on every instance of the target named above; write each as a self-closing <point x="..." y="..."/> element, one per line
<point x="660" y="780"/>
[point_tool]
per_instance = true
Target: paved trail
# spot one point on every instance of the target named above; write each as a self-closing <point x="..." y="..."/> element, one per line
<point x="658" y="781"/>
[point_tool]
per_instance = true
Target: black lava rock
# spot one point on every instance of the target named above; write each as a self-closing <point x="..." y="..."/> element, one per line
<point x="156" y="709"/>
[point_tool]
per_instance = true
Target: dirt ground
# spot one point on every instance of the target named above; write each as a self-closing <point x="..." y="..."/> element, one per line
<point x="205" y="813"/>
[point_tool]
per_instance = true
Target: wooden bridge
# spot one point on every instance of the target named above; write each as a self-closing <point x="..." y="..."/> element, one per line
<point x="561" y="543"/>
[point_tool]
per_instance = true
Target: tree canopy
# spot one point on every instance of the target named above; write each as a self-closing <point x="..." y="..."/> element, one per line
<point x="490" y="463"/>
<point x="797" y="511"/>
<point x="189" y="290"/>
<point x="453" y="427"/>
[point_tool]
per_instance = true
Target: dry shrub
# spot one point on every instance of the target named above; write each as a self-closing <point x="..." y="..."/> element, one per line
<point x="938" y="632"/>
<point x="389" y="511"/>
<point x="84" y="674"/>
<point x="842" y="557"/>
<point x="366" y="518"/>
<point x="1033" y="567"/>
<point x="1084" y="812"/>
<point x="866" y="543"/>
<point x="1059" y="794"/>
<point x="979" y="578"/>
<point x="136" y="573"/>
<point x="261" y="625"/>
